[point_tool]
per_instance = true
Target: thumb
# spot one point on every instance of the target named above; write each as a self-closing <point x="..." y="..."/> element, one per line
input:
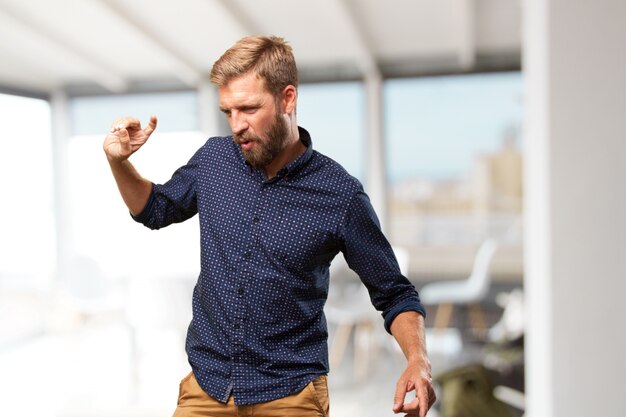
<point x="152" y="124"/>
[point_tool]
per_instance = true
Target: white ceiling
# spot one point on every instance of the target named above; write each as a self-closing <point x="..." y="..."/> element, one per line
<point x="122" y="45"/>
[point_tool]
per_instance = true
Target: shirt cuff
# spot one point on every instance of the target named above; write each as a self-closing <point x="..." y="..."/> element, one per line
<point x="145" y="213"/>
<point x="409" y="305"/>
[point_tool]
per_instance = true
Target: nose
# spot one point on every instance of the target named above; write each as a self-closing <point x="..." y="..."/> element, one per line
<point x="238" y="123"/>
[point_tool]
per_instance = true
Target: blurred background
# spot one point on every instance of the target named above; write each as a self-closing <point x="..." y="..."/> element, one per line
<point x="489" y="135"/>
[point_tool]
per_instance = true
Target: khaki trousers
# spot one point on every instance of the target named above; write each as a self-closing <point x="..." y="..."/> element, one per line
<point x="312" y="401"/>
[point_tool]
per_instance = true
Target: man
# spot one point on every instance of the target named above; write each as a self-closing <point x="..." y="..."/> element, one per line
<point x="273" y="214"/>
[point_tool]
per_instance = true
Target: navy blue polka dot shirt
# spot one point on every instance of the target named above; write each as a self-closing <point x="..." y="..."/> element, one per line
<point x="258" y="329"/>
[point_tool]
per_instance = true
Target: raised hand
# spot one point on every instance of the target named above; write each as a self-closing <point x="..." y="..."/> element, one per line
<point x="126" y="137"/>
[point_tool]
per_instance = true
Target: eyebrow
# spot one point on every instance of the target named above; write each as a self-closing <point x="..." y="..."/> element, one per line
<point x="246" y="106"/>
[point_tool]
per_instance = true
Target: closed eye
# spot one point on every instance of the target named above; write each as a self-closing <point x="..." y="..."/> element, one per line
<point x="243" y="109"/>
<point x="249" y="110"/>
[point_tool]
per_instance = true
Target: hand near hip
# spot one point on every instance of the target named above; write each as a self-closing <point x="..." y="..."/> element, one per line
<point x="126" y="137"/>
<point x="416" y="378"/>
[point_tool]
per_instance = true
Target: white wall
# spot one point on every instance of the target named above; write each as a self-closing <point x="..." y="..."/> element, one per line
<point x="575" y="69"/>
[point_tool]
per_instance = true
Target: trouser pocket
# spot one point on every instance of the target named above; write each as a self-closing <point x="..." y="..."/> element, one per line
<point x="182" y="389"/>
<point x="319" y="390"/>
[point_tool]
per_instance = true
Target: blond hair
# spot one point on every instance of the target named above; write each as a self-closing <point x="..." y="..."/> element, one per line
<point x="270" y="57"/>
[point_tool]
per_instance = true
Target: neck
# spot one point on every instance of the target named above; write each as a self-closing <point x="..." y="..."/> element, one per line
<point x="291" y="152"/>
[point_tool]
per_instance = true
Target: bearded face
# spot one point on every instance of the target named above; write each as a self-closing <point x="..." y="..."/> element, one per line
<point x="260" y="151"/>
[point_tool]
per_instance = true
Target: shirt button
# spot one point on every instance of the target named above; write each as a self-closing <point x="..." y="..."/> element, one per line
<point x="240" y="291"/>
<point x="247" y="254"/>
<point x="256" y="219"/>
<point x="236" y="326"/>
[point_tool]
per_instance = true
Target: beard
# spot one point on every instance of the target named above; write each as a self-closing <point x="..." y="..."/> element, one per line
<point x="265" y="150"/>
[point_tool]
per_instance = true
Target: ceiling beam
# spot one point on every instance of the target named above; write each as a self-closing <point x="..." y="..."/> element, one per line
<point x="16" y="90"/>
<point x="467" y="34"/>
<point x="366" y="61"/>
<point x="185" y="71"/>
<point x="96" y="70"/>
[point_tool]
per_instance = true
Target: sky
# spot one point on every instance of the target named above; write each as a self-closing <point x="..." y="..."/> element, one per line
<point x="435" y="125"/>
<point x="334" y="114"/>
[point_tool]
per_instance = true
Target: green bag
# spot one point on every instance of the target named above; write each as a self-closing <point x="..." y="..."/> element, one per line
<point x="468" y="392"/>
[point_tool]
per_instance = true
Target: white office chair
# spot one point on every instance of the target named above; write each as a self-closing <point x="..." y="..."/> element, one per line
<point x="468" y="292"/>
<point x="349" y="307"/>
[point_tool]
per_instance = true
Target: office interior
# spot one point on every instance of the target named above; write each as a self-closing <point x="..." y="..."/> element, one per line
<point x="487" y="133"/>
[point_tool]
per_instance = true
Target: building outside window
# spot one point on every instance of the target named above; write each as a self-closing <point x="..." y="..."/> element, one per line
<point x="455" y="170"/>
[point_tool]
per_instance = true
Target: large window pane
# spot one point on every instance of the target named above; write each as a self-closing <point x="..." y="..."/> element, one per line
<point x="27" y="233"/>
<point x="455" y="169"/>
<point x="177" y="111"/>
<point x="334" y="114"/>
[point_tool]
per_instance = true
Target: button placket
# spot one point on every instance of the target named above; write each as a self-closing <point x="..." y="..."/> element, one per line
<point x="239" y="302"/>
<point x="241" y="291"/>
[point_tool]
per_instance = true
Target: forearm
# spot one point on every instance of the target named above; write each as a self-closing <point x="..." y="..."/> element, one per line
<point x="408" y="330"/>
<point x="134" y="189"/>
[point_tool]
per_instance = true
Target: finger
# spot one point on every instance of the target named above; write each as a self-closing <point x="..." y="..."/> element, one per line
<point x="122" y="134"/>
<point x="152" y="124"/>
<point x="125" y="123"/>
<point x="423" y="402"/>
<point x="422" y="393"/>
<point x="432" y="397"/>
<point x="398" y="398"/>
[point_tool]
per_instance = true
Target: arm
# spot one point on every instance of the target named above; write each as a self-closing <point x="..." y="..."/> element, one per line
<point x="134" y="189"/>
<point x="408" y="329"/>
<point x="125" y="138"/>
<point x="369" y="254"/>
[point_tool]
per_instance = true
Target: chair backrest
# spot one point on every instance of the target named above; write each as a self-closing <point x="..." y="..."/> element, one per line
<point x="480" y="277"/>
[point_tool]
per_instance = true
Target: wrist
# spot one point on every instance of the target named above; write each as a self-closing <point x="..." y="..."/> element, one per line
<point x="116" y="160"/>
<point x="418" y="357"/>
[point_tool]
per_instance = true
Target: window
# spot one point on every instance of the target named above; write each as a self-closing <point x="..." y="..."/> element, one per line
<point x="334" y="114"/>
<point x="27" y="241"/>
<point x="177" y="111"/>
<point x="454" y="164"/>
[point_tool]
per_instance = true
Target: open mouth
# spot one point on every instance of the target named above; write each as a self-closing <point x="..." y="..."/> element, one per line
<point x="246" y="144"/>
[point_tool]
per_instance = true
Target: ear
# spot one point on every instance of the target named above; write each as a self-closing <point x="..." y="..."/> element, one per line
<point x="289" y="97"/>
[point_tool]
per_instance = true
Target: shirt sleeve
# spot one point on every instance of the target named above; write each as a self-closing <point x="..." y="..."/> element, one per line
<point x="369" y="254"/>
<point x="175" y="201"/>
